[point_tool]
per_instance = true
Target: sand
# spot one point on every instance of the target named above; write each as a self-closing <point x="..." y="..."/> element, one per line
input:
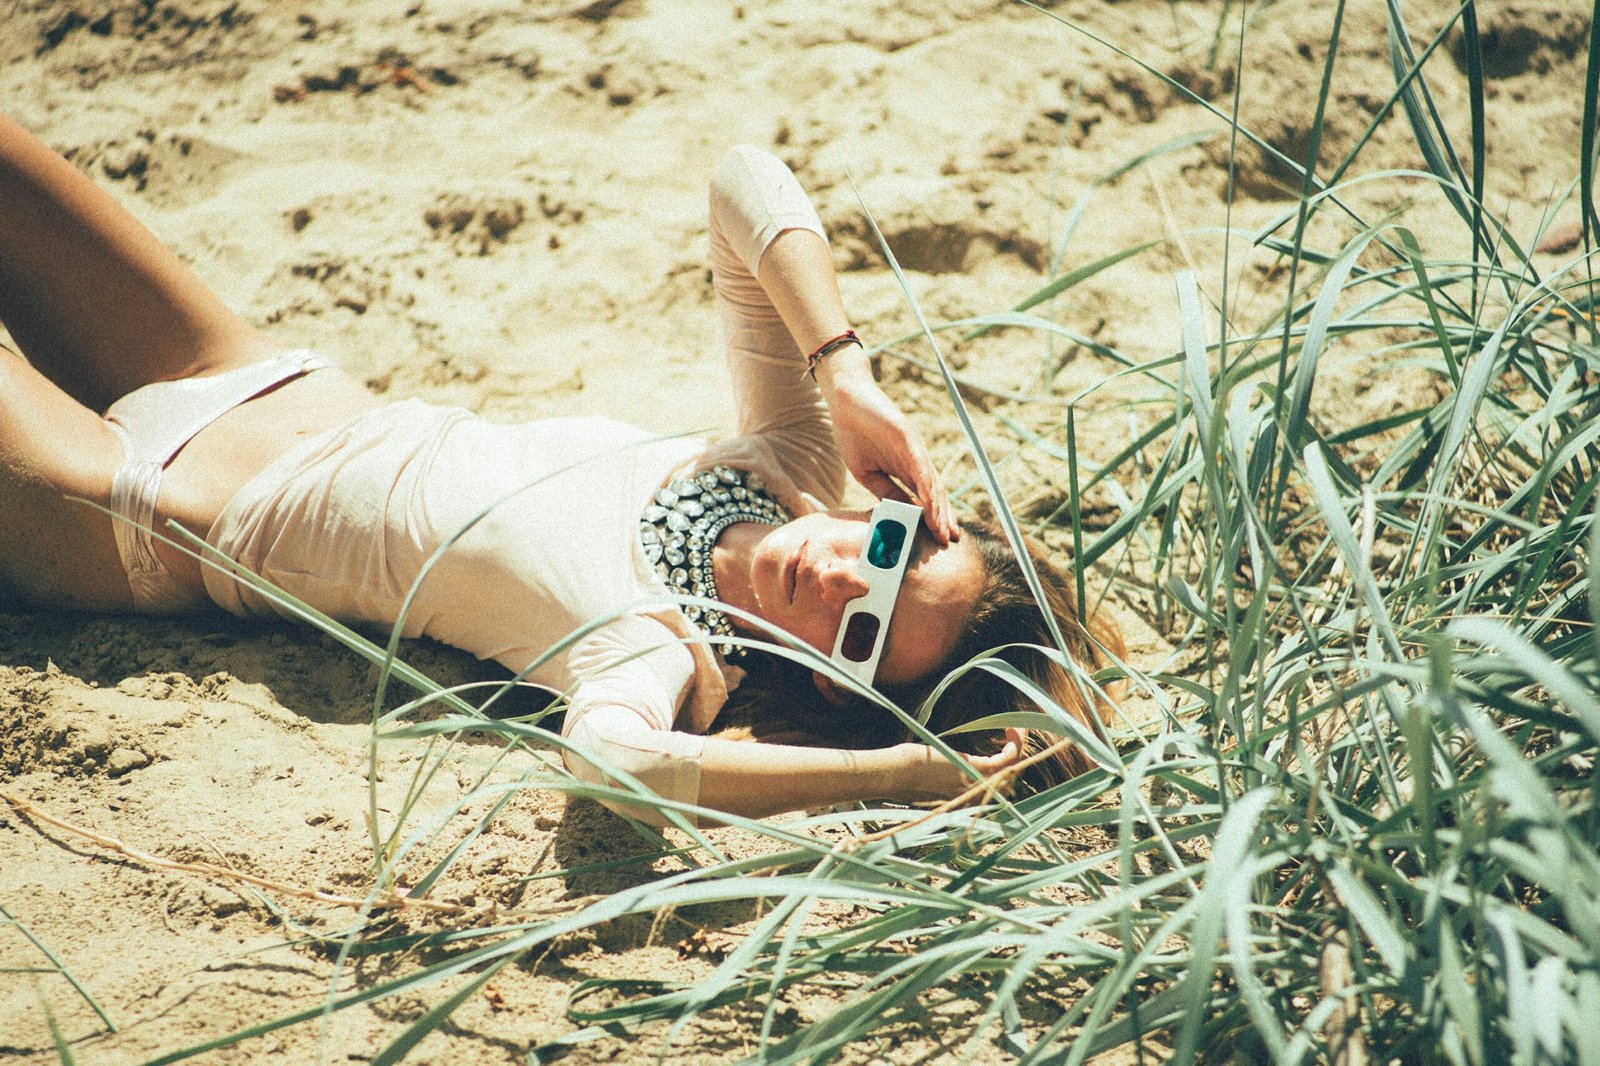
<point x="500" y="205"/>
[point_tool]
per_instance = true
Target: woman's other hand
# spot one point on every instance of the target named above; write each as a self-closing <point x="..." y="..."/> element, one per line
<point x="879" y="445"/>
<point x="926" y="775"/>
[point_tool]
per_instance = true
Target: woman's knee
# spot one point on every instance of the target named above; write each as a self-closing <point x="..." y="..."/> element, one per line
<point x="49" y="439"/>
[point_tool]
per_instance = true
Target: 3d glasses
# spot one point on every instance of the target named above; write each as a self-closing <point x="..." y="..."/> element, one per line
<point x="865" y="625"/>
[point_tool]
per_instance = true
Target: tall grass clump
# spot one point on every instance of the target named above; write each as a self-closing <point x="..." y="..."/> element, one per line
<point x="1361" y="821"/>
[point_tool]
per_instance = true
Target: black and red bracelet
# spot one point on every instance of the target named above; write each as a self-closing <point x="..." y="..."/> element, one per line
<point x="828" y="347"/>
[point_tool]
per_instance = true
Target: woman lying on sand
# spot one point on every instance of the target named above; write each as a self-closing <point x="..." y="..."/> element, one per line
<point x="294" y="470"/>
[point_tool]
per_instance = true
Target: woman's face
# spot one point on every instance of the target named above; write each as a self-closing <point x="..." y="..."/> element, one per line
<point x="803" y="574"/>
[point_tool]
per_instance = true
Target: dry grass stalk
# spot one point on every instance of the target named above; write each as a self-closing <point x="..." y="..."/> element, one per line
<point x="1346" y="1047"/>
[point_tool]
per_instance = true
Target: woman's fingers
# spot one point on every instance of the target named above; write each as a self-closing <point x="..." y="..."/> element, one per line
<point x="918" y="472"/>
<point x="1010" y="753"/>
<point x="885" y="453"/>
<point x="989" y="765"/>
<point x="929" y="494"/>
<point x="883" y="486"/>
<point x="938" y="514"/>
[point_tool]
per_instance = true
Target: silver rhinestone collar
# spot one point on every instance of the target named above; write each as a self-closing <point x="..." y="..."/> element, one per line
<point x="682" y="524"/>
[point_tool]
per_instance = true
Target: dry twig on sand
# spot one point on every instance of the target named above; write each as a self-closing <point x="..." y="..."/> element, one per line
<point x="396" y="899"/>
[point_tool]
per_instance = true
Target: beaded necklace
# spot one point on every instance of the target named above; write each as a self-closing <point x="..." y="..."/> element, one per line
<point x="681" y="526"/>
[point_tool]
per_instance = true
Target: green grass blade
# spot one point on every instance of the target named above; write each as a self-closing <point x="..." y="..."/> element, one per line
<point x="58" y="967"/>
<point x="1586" y="139"/>
<point x="435" y="1015"/>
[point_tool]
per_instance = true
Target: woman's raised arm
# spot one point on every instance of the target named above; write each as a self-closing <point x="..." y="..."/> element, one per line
<point x="878" y="445"/>
<point x="779" y="299"/>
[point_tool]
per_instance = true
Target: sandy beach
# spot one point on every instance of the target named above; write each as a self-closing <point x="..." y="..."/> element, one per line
<point x="501" y="205"/>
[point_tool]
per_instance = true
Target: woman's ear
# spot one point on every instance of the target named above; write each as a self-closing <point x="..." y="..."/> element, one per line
<point x="1018" y="737"/>
<point x="831" y="690"/>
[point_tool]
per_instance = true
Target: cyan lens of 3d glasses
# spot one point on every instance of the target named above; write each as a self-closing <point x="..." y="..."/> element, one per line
<point x="888" y="538"/>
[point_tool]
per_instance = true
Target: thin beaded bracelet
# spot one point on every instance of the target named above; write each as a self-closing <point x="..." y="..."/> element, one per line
<point x="828" y="347"/>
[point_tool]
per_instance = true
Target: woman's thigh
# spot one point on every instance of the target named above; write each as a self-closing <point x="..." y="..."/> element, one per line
<point x="97" y="303"/>
<point x="54" y="550"/>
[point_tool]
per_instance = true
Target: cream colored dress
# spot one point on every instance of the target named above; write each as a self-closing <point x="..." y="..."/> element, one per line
<point x="530" y="533"/>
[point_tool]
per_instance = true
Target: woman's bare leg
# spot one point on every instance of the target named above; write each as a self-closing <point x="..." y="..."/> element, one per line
<point x="99" y="307"/>
<point x="55" y="551"/>
<point x="92" y="298"/>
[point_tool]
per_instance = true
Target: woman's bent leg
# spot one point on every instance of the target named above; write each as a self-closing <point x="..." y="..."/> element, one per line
<point x="91" y="297"/>
<point x="54" y="551"/>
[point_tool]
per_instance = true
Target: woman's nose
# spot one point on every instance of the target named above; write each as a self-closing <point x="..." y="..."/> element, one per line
<point x="841" y="582"/>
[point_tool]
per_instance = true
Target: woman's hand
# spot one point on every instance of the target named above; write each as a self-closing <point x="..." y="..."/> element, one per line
<point x="881" y="448"/>
<point x="926" y="775"/>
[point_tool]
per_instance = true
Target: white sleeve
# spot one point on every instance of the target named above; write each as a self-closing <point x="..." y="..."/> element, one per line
<point x="632" y="674"/>
<point x="754" y="198"/>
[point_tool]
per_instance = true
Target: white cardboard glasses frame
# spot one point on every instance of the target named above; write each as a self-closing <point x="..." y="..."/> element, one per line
<point x="865" y="625"/>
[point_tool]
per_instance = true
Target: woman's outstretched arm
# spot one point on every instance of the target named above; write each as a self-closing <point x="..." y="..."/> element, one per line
<point x="754" y="780"/>
<point x="92" y="298"/>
